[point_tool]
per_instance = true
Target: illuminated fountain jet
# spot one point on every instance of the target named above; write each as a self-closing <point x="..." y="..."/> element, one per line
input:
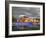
<point x="21" y="15"/>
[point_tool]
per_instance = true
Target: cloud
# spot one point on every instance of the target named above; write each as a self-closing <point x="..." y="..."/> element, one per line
<point x="28" y="11"/>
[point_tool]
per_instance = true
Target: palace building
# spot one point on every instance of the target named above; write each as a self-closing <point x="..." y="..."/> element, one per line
<point x="27" y="19"/>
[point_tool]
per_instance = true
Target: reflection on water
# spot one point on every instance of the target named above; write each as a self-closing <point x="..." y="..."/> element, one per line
<point x="24" y="27"/>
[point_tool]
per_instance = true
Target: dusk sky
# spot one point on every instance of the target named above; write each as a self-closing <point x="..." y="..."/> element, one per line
<point x="28" y="11"/>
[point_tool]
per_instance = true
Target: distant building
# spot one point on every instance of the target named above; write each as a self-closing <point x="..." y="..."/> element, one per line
<point x="27" y="19"/>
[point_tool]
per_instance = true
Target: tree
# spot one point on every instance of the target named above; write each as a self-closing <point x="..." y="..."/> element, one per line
<point x="14" y="19"/>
